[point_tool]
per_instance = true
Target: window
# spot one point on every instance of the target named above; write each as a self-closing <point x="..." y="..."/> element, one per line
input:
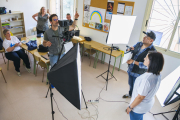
<point x="162" y="17"/>
<point x="62" y="7"/>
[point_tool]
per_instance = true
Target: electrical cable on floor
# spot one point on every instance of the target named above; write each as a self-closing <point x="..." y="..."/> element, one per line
<point x="89" y="116"/>
<point x="99" y="98"/>
<point x="59" y="109"/>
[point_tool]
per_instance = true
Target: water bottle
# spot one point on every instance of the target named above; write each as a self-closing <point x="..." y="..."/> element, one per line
<point x="42" y="38"/>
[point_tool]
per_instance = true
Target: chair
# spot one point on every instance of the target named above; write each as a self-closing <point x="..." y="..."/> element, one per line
<point x="3" y="52"/>
<point x="88" y="50"/>
<point x="3" y="75"/>
<point x="42" y="64"/>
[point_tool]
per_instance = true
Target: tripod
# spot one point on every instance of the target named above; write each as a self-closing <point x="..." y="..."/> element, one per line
<point x="175" y="116"/>
<point x="108" y="70"/>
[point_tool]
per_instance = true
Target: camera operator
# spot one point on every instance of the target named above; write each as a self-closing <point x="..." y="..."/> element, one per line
<point x="139" y="52"/>
<point x="55" y="43"/>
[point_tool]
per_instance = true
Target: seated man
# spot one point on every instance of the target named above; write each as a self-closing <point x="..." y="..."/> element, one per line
<point x="14" y="52"/>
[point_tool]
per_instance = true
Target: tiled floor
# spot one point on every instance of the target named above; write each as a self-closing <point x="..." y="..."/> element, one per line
<point x="23" y="98"/>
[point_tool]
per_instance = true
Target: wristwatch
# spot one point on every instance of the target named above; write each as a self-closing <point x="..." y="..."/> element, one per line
<point x="76" y="19"/>
<point x="133" y="61"/>
<point x="130" y="107"/>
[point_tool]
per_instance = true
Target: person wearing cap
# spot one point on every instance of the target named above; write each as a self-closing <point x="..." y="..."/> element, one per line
<point x="136" y="66"/>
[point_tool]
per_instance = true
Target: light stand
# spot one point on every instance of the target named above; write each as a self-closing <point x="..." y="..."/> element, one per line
<point x="108" y="70"/>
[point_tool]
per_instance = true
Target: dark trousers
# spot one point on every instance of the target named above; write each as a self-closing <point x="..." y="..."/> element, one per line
<point x="131" y="82"/>
<point x="16" y="56"/>
<point x="39" y="31"/>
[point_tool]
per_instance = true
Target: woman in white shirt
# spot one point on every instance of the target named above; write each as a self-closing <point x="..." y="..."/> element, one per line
<point x="146" y="86"/>
<point x="14" y="52"/>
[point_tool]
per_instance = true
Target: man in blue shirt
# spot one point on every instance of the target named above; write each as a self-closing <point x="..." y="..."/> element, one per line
<point x="139" y="52"/>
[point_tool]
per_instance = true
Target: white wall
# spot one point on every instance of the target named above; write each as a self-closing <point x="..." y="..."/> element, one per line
<point x="28" y="7"/>
<point x="139" y="10"/>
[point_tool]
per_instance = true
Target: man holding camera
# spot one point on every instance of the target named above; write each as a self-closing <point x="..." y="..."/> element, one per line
<point x="139" y="52"/>
<point x="51" y="39"/>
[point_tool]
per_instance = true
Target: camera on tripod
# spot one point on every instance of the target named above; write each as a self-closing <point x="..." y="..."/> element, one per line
<point x="66" y="34"/>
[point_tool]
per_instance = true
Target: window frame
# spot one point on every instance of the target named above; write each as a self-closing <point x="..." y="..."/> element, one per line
<point x="61" y="8"/>
<point x="147" y="14"/>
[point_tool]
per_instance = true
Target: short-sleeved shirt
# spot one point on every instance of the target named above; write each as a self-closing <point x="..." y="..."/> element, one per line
<point x="56" y="45"/>
<point x="7" y="43"/>
<point x="145" y="85"/>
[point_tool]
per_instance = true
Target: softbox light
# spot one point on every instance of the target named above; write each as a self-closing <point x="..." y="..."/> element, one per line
<point x="65" y="76"/>
<point x="169" y="91"/>
<point x="120" y="29"/>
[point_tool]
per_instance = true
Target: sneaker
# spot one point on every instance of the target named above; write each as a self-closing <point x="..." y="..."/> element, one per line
<point x="19" y="74"/>
<point x="126" y="96"/>
<point x="29" y="70"/>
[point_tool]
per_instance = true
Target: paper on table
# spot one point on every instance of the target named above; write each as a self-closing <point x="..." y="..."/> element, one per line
<point x="126" y="57"/>
<point x="87" y="2"/>
<point x="120" y="8"/>
<point x="68" y="46"/>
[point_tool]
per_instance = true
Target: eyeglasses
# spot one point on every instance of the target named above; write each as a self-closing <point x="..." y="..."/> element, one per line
<point x="55" y="19"/>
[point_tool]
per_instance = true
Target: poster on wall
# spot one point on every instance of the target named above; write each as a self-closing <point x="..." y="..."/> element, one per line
<point x="128" y="10"/>
<point x="87" y="2"/>
<point x="121" y="7"/>
<point x="98" y="26"/>
<point x="106" y="27"/>
<point x="97" y="15"/>
<point x="92" y="24"/>
<point x="86" y="17"/>
<point x="109" y="15"/>
<point x="110" y="6"/>
<point x="86" y="7"/>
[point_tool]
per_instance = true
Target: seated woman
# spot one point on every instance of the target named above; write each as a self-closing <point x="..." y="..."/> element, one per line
<point x="146" y="86"/>
<point x="14" y="52"/>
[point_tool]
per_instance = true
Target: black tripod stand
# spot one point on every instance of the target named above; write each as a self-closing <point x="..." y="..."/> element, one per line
<point x="108" y="70"/>
<point x="175" y="116"/>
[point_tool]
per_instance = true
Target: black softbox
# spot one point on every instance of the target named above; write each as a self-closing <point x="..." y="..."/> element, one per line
<point x="65" y="76"/>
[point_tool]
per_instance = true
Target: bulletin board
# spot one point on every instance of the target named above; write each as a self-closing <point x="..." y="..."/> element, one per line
<point x="97" y="13"/>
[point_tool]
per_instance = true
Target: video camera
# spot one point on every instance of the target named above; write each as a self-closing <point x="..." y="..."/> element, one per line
<point x="66" y="34"/>
<point x="127" y="49"/>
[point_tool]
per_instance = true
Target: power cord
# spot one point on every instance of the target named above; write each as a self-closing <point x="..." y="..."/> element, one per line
<point x="59" y="109"/>
<point x="99" y="98"/>
<point x="89" y="116"/>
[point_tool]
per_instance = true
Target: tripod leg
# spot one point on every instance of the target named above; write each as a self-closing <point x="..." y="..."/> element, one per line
<point x="84" y="99"/>
<point x="113" y="76"/>
<point x="101" y="74"/>
<point x="47" y="92"/>
<point x="51" y="95"/>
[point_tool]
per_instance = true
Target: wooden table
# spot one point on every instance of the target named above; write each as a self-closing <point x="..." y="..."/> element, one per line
<point x="35" y="52"/>
<point x="115" y="54"/>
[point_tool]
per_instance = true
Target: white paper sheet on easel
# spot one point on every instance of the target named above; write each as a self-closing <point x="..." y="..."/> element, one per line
<point x="126" y="57"/>
<point x="68" y="46"/>
<point x="87" y="2"/>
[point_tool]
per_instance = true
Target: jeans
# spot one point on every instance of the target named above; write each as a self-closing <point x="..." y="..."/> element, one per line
<point x="53" y="58"/>
<point x="135" y="116"/>
<point x="131" y="82"/>
<point x="16" y="56"/>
